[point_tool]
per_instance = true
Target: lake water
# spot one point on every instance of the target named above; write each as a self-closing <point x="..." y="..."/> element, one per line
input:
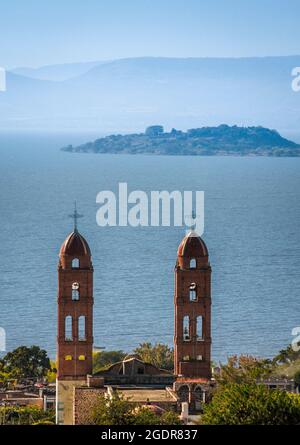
<point x="252" y="221"/>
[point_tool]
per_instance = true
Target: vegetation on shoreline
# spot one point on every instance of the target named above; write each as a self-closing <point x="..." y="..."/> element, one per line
<point x="206" y="141"/>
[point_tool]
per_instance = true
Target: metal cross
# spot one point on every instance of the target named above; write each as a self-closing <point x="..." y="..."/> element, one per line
<point x="75" y="216"/>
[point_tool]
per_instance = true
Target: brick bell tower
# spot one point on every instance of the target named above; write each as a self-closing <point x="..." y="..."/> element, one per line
<point x="75" y="321"/>
<point x="75" y="308"/>
<point x="192" y="340"/>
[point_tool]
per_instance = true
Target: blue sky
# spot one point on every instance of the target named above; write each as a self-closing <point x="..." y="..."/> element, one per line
<point x="34" y="32"/>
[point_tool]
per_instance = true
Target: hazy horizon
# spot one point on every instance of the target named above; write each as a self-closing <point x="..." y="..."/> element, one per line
<point x="97" y="61"/>
<point x="113" y="66"/>
<point x="34" y="34"/>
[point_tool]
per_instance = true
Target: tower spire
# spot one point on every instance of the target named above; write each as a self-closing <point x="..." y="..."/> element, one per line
<point x="75" y="215"/>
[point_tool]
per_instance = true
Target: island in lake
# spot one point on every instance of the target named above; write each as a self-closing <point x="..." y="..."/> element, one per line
<point x="205" y="141"/>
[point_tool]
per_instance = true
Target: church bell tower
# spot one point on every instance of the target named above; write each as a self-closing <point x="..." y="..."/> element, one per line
<point x="192" y="300"/>
<point x="75" y="320"/>
<point x="75" y="307"/>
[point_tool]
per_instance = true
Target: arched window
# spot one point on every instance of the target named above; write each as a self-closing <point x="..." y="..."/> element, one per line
<point x="81" y="357"/>
<point x="199" y="328"/>
<point x="193" y="263"/>
<point x="186" y="328"/>
<point x="68" y="357"/>
<point x="75" y="291"/>
<point x="183" y="393"/>
<point x="193" y="292"/>
<point x="199" y="393"/>
<point x="81" y="328"/>
<point x="75" y="263"/>
<point x="68" y="328"/>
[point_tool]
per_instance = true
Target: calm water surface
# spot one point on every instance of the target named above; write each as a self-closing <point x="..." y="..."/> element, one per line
<point x="252" y="221"/>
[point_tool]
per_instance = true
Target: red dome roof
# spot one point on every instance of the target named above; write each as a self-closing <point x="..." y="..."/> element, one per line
<point x="74" y="245"/>
<point x="192" y="246"/>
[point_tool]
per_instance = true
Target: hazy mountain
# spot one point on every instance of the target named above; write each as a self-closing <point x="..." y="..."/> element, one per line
<point x="130" y="94"/>
<point x="57" y="72"/>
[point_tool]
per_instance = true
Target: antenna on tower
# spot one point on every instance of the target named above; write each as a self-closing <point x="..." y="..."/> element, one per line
<point x="75" y="215"/>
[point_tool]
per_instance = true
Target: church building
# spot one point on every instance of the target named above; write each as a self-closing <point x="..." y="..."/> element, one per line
<point x="77" y="387"/>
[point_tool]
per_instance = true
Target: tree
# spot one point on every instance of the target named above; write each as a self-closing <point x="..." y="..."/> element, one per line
<point x="243" y="369"/>
<point x="251" y="404"/>
<point x="159" y="355"/>
<point x="114" y="411"/>
<point x="103" y="359"/>
<point x="26" y="362"/>
<point x="297" y="378"/>
<point x="145" y="416"/>
<point x="28" y="415"/>
<point x="286" y="355"/>
<point x="121" y="411"/>
<point x="170" y="418"/>
<point x="52" y="373"/>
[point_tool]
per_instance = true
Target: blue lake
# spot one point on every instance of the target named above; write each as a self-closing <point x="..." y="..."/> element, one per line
<point x="252" y="222"/>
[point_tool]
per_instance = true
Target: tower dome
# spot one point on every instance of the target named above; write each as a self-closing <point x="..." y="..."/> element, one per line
<point x="75" y="252"/>
<point x="75" y="245"/>
<point x="192" y="246"/>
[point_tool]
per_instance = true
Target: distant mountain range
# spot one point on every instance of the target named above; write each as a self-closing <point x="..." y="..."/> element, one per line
<point x="57" y="72"/>
<point x="129" y="94"/>
<point x="205" y="141"/>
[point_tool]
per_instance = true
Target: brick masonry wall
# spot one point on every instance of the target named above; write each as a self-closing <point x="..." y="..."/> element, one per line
<point x="84" y="401"/>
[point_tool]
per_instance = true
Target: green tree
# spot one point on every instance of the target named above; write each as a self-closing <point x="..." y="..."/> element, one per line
<point x="121" y="411"/>
<point x="52" y="372"/>
<point x="159" y="355"/>
<point x="24" y="362"/>
<point x="114" y="411"/>
<point x="145" y="416"/>
<point x="251" y="404"/>
<point x="28" y="415"/>
<point x="286" y="355"/>
<point x="297" y="378"/>
<point x="243" y="369"/>
<point x="103" y="359"/>
<point x="170" y="418"/>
